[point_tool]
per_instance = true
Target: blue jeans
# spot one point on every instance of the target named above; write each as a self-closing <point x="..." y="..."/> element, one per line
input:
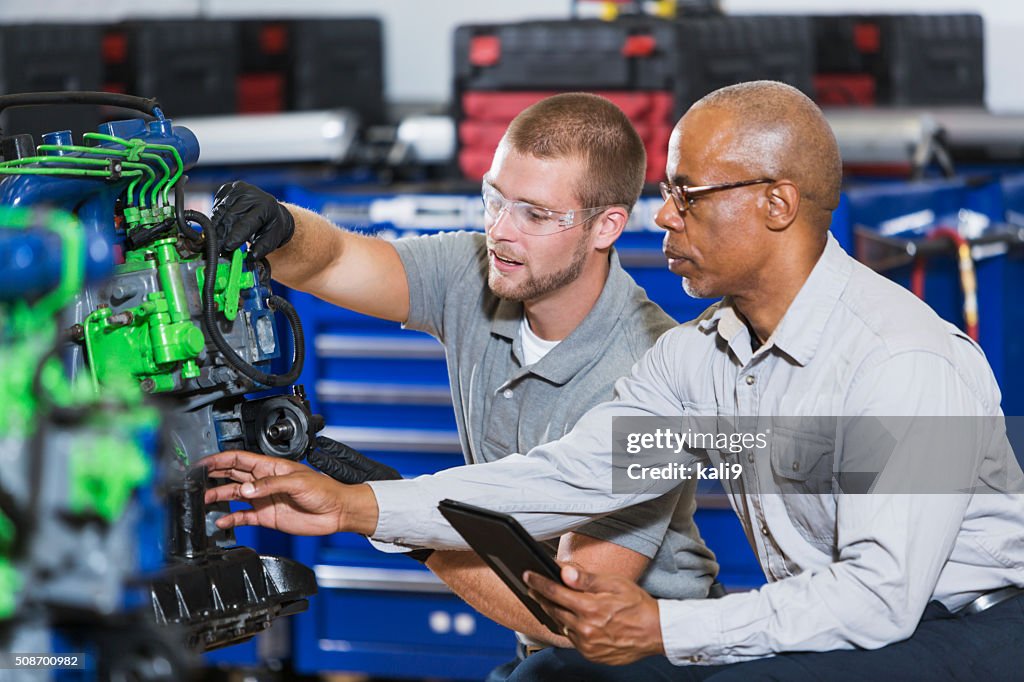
<point x="983" y="647"/>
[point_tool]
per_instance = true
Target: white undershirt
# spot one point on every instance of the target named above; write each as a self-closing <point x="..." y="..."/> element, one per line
<point x="534" y="347"/>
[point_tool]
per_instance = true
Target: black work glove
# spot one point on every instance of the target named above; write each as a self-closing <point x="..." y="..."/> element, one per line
<point x="346" y="465"/>
<point x="245" y="213"/>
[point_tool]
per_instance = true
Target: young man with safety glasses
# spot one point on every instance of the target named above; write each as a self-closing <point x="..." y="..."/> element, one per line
<point x="537" y="317"/>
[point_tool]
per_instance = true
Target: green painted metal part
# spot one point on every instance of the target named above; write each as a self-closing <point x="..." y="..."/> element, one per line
<point x="108" y="462"/>
<point x="135" y="161"/>
<point x="105" y="470"/>
<point x="152" y="341"/>
<point x="231" y="279"/>
<point x="10" y="579"/>
<point x="10" y="584"/>
<point x="157" y="342"/>
<point x="6" y="534"/>
<point x="26" y="330"/>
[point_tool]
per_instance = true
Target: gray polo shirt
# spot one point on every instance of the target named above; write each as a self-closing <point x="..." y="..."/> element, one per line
<point x="502" y="407"/>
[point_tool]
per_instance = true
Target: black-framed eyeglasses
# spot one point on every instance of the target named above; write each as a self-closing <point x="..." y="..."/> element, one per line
<point x="683" y="197"/>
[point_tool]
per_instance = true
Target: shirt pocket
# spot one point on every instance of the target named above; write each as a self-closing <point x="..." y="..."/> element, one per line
<point x="802" y="462"/>
<point x="802" y="472"/>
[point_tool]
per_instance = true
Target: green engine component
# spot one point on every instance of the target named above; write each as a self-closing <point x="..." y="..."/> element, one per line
<point x="10" y="583"/>
<point x="27" y="329"/>
<point x="108" y="460"/>
<point x="105" y="470"/>
<point x="10" y="579"/>
<point x="157" y="342"/>
<point x="230" y="281"/>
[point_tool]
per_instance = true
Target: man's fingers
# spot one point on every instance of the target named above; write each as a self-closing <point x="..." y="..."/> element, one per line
<point x="241" y="229"/>
<point x="564" y="617"/>
<point x="263" y="244"/>
<point x="288" y="484"/>
<point x="242" y="517"/>
<point x="585" y="581"/>
<point x="259" y="466"/>
<point x="223" y="191"/>
<point x="231" y="459"/>
<point x="257" y="489"/>
<point x="555" y="593"/>
<point x="236" y="475"/>
<point x="224" y="493"/>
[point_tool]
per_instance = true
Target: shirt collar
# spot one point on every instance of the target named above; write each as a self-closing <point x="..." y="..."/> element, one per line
<point x="585" y="342"/>
<point x="801" y="328"/>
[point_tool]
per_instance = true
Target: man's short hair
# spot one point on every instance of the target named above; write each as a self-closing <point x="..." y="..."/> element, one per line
<point x="785" y="135"/>
<point x="578" y="125"/>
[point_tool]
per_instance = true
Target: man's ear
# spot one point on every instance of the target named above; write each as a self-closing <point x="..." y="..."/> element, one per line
<point x="609" y="225"/>
<point x="783" y="205"/>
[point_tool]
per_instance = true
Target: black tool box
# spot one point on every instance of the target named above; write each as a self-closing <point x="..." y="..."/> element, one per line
<point x="900" y="60"/>
<point x="651" y="68"/>
<point x="338" y="63"/>
<point x="190" y="66"/>
<point x="49" y="57"/>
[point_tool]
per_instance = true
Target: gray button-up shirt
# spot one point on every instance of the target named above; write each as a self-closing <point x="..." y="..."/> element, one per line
<point x="846" y="570"/>
<point x="503" y="407"/>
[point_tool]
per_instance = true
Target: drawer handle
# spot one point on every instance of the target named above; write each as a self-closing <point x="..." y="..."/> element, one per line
<point x="382" y="579"/>
<point x="342" y="346"/>
<point x="349" y="392"/>
<point x="399" y="440"/>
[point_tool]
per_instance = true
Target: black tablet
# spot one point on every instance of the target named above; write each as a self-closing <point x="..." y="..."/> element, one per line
<point x="507" y="548"/>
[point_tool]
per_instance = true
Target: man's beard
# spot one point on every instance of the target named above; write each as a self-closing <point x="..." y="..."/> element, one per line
<point x="695" y="290"/>
<point x="535" y="287"/>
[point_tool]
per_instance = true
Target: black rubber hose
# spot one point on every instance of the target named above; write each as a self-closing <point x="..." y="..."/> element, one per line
<point x="275" y="302"/>
<point x="280" y="303"/>
<point x="148" y="105"/>
<point x="193" y="238"/>
<point x="144" y="236"/>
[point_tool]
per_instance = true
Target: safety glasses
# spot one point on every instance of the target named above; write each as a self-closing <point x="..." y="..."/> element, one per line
<point x="533" y="219"/>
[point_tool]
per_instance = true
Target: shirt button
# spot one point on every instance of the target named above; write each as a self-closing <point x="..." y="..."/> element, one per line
<point x="750" y="457"/>
<point x="764" y="529"/>
<point x="796" y="466"/>
<point x="696" y="658"/>
<point x="507" y="393"/>
<point x="750" y="380"/>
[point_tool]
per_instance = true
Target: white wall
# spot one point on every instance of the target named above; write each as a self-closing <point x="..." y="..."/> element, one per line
<point x="418" y="33"/>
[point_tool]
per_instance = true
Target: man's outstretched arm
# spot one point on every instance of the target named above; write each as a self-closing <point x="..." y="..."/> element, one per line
<point x="288" y="496"/>
<point x="309" y="253"/>
<point x="557" y="488"/>
<point x="293" y="498"/>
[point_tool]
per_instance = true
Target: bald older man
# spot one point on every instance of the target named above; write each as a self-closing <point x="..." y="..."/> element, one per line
<point x="891" y="581"/>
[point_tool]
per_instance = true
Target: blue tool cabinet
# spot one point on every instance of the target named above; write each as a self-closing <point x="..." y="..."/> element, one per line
<point x="910" y="211"/>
